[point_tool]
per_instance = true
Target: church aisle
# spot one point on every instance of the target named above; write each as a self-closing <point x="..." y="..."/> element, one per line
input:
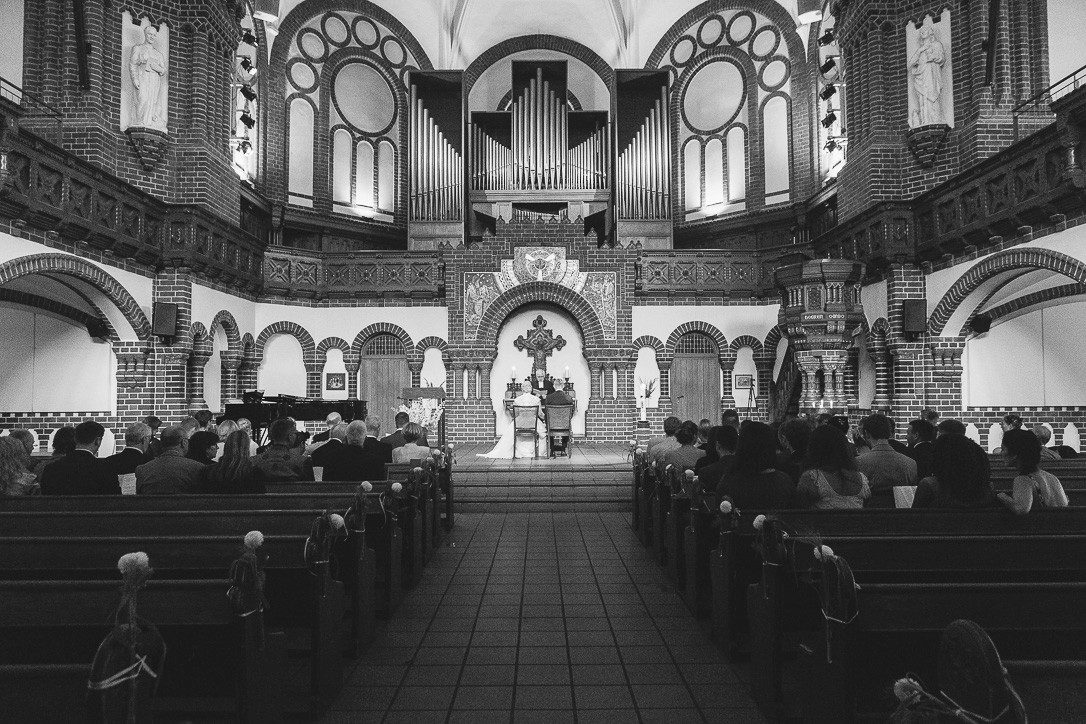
<point x="543" y="617"/>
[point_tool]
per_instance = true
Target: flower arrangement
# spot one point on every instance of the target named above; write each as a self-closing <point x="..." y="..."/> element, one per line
<point x="425" y="412"/>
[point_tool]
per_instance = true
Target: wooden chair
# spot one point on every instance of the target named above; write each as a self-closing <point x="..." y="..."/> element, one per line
<point x="559" y="426"/>
<point x="525" y="418"/>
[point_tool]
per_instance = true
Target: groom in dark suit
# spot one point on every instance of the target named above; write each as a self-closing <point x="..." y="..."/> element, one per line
<point x="559" y="398"/>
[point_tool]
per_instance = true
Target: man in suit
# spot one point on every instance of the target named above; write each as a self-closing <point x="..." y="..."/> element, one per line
<point x="884" y="467"/>
<point x="171" y="473"/>
<point x="280" y="460"/>
<point x="339" y="461"/>
<point x="333" y="419"/>
<point x="724" y="439"/>
<point x="559" y="398"/>
<point x="660" y="446"/>
<point x="80" y="472"/>
<point x="137" y="440"/>
<point x="368" y="466"/>
<point x="921" y="437"/>
<point x="396" y="439"/>
<point x="373" y="445"/>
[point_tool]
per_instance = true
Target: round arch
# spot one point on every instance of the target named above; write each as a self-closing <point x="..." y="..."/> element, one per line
<point x="139" y="327"/>
<point x="531" y="292"/>
<point x="229" y="325"/>
<point x="521" y="43"/>
<point x="724" y="351"/>
<point x="383" y="328"/>
<point x="294" y="330"/>
<point x="1015" y="259"/>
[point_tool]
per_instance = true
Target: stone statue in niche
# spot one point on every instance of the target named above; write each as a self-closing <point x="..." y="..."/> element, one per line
<point x="148" y="69"/>
<point x="926" y="67"/>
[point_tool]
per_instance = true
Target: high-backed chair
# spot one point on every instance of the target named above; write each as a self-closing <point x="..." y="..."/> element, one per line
<point x="559" y="428"/>
<point x="525" y="418"/>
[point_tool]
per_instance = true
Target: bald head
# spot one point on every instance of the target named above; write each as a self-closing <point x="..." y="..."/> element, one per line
<point x="333" y="419"/>
<point x="338" y="432"/>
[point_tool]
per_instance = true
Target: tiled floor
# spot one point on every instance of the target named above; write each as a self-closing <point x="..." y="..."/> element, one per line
<point x="581" y="456"/>
<point x="543" y="617"/>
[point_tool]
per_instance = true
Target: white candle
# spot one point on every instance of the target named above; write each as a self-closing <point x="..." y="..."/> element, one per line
<point x="567" y="372"/>
<point x="513" y="373"/>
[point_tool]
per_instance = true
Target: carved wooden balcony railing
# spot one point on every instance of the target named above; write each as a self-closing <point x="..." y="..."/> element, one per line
<point x="726" y="273"/>
<point x="316" y="275"/>
<point x="1026" y="185"/>
<point x="52" y="190"/>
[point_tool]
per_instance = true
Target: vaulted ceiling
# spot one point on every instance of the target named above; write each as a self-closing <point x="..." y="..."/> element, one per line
<point x="456" y="32"/>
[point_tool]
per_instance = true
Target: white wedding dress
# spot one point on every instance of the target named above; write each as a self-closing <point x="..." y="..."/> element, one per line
<point x="504" y="448"/>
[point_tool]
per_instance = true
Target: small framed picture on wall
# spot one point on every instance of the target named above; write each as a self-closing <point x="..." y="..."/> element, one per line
<point x="744" y="382"/>
<point x="335" y="381"/>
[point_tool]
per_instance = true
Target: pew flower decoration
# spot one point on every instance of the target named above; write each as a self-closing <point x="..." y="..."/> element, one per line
<point x="917" y="704"/>
<point x="336" y="521"/>
<point x="729" y="514"/>
<point x="907" y="689"/>
<point x="134" y="564"/>
<point x="397" y="488"/>
<point x="759" y="522"/>
<point x="726" y="506"/>
<point x="822" y="552"/>
<point x="367" y="486"/>
<point x="254" y="539"/>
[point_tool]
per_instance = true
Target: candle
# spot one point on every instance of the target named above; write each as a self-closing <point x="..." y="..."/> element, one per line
<point x="567" y="372"/>
<point x="513" y="373"/>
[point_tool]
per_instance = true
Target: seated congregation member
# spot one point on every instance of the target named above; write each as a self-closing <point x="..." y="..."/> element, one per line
<point x="373" y="445"/>
<point x="81" y="472"/>
<point x="234" y="473"/>
<point x="246" y="426"/>
<point x="202" y="447"/>
<point x="660" y="446"/>
<point x="333" y="419"/>
<point x="29" y="443"/>
<point x="189" y="425"/>
<point x="896" y="444"/>
<point x="726" y="443"/>
<point x="137" y="441"/>
<point x="364" y="466"/>
<point x="884" y="467"/>
<point x="63" y="443"/>
<point x="413" y="449"/>
<point x="793" y="436"/>
<point x="705" y="442"/>
<point x="949" y="427"/>
<point x="831" y="480"/>
<point x="1044" y="435"/>
<point x="921" y="437"/>
<point x="205" y="421"/>
<point x="686" y="456"/>
<point x="15" y="479"/>
<point x="279" y="461"/>
<point x="224" y="430"/>
<point x="1022" y="450"/>
<point x="724" y="439"/>
<point x="1010" y="421"/>
<point x="961" y="476"/>
<point x="171" y="473"/>
<point x="397" y="439"/>
<point x="154" y="449"/>
<point x="730" y="418"/>
<point x="337" y="459"/>
<point x="754" y="481"/>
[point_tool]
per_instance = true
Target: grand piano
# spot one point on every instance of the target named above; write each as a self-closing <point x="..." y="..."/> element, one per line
<point x="261" y="411"/>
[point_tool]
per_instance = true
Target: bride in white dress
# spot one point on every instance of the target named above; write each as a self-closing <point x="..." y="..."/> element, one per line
<point x="525" y="449"/>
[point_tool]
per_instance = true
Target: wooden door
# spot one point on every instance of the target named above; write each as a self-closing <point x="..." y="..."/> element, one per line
<point x="382" y="375"/>
<point x="695" y="379"/>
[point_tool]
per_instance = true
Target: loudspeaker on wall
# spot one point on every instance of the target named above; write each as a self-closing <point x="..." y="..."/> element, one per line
<point x="915" y="316"/>
<point x="164" y="319"/>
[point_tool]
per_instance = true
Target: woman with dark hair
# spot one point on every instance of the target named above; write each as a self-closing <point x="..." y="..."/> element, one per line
<point x="961" y="477"/>
<point x="202" y="447"/>
<point x="830" y="479"/>
<point x="15" y="479"/>
<point x="753" y="480"/>
<point x="686" y="456"/>
<point x="234" y="473"/>
<point x="1022" y="450"/>
<point x="63" y="443"/>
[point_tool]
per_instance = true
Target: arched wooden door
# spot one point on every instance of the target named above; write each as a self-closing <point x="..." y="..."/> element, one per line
<point x="695" y="378"/>
<point x="382" y="375"/>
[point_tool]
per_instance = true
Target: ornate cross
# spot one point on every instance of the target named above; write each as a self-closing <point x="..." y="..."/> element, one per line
<point x="540" y="343"/>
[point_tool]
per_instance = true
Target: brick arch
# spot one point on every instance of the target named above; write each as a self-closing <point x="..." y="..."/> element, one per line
<point x="881" y="327"/>
<point x="384" y="328"/>
<point x="723" y="349"/>
<point x="294" y="330"/>
<point x="745" y="340"/>
<point x="229" y="325"/>
<point x="531" y="292"/>
<point x="646" y="340"/>
<point x="773" y="338"/>
<point x="332" y="343"/>
<point x="975" y="276"/>
<point x="539" y="41"/>
<point x="201" y="340"/>
<point x="72" y="266"/>
<point x="248" y="344"/>
<point x="432" y="341"/>
<point x="1029" y="300"/>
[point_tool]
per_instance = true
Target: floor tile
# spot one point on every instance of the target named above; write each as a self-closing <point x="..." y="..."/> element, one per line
<point x="487" y="675"/>
<point x="412" y="698"/>
<point x="602" y="697"/>
<point x="543" y="697"/>
<point x="484" y="697"/>
<point x="539" y="674"/>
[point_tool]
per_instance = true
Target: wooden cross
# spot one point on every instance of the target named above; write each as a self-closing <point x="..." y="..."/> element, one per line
<point x="539" y="343"/>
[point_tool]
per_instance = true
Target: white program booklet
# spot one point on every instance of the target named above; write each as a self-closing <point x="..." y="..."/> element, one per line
<point x="128" y="483"/>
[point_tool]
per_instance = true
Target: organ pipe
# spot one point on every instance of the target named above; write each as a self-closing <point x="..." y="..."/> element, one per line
<point x="644" y="168"/>
<point x="436" y="168"/>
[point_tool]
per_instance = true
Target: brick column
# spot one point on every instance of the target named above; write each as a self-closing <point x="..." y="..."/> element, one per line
<point x="352" y="380"/>
<point x="945" y="390"/>
<point x="197" y="362"/>
<point x="416" y="373"/>
<point x="247" y="369"/>
<point x="880" y="354"/>
<point x="231" y="361"/>
<point x="909" y="351"/>
<point x="727" y="366"/>
<point x="313" y="382"/>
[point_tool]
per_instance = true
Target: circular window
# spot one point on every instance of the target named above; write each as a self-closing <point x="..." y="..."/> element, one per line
<point x="394" y="52"/>
<point x="366" y="33"/>
<point x="711" y="31"/>
<point x="302" y="75"/>
<point x="683" y="50"/>
<point x="775" y="73"/>
<point x="765" y="43"/>
<point x="741" y="27"/>
<point x="312" y="45"/>
<point x="363" y="98"/>
<point x="336" y="30"/>
<point x="714" y="96"/>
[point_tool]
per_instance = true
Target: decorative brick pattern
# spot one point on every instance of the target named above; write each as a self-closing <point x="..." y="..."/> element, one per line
<point x="229" y="325"/>
<point x="309" y="351"/>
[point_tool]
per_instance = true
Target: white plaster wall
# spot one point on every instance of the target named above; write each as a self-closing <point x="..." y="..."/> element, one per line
<point x="1033" y="359"/>
<point x="433" y="369"/>
<point x="731" y="321"/>
<point x="744" y="365"/>
<point x="865" y="381"/>
<point x="333" y="363"/>
<point x="282" y="372"/>
<point x="571" y="356"/>
<point x="347" y="322"/>
<point x="647" y="372"/>
<point x="873" y="298"/>
<point x="207" y="302"/>
<point x="11" y="39"/>
<point x="52" y="365"/>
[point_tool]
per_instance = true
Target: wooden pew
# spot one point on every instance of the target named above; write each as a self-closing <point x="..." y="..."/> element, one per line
<point x="50" y="631"/>
<point x="645" y="496"/>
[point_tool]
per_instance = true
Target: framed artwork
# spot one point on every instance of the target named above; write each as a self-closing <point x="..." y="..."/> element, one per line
<point x="335" y="381"/>
<point x="744" y="382"/>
